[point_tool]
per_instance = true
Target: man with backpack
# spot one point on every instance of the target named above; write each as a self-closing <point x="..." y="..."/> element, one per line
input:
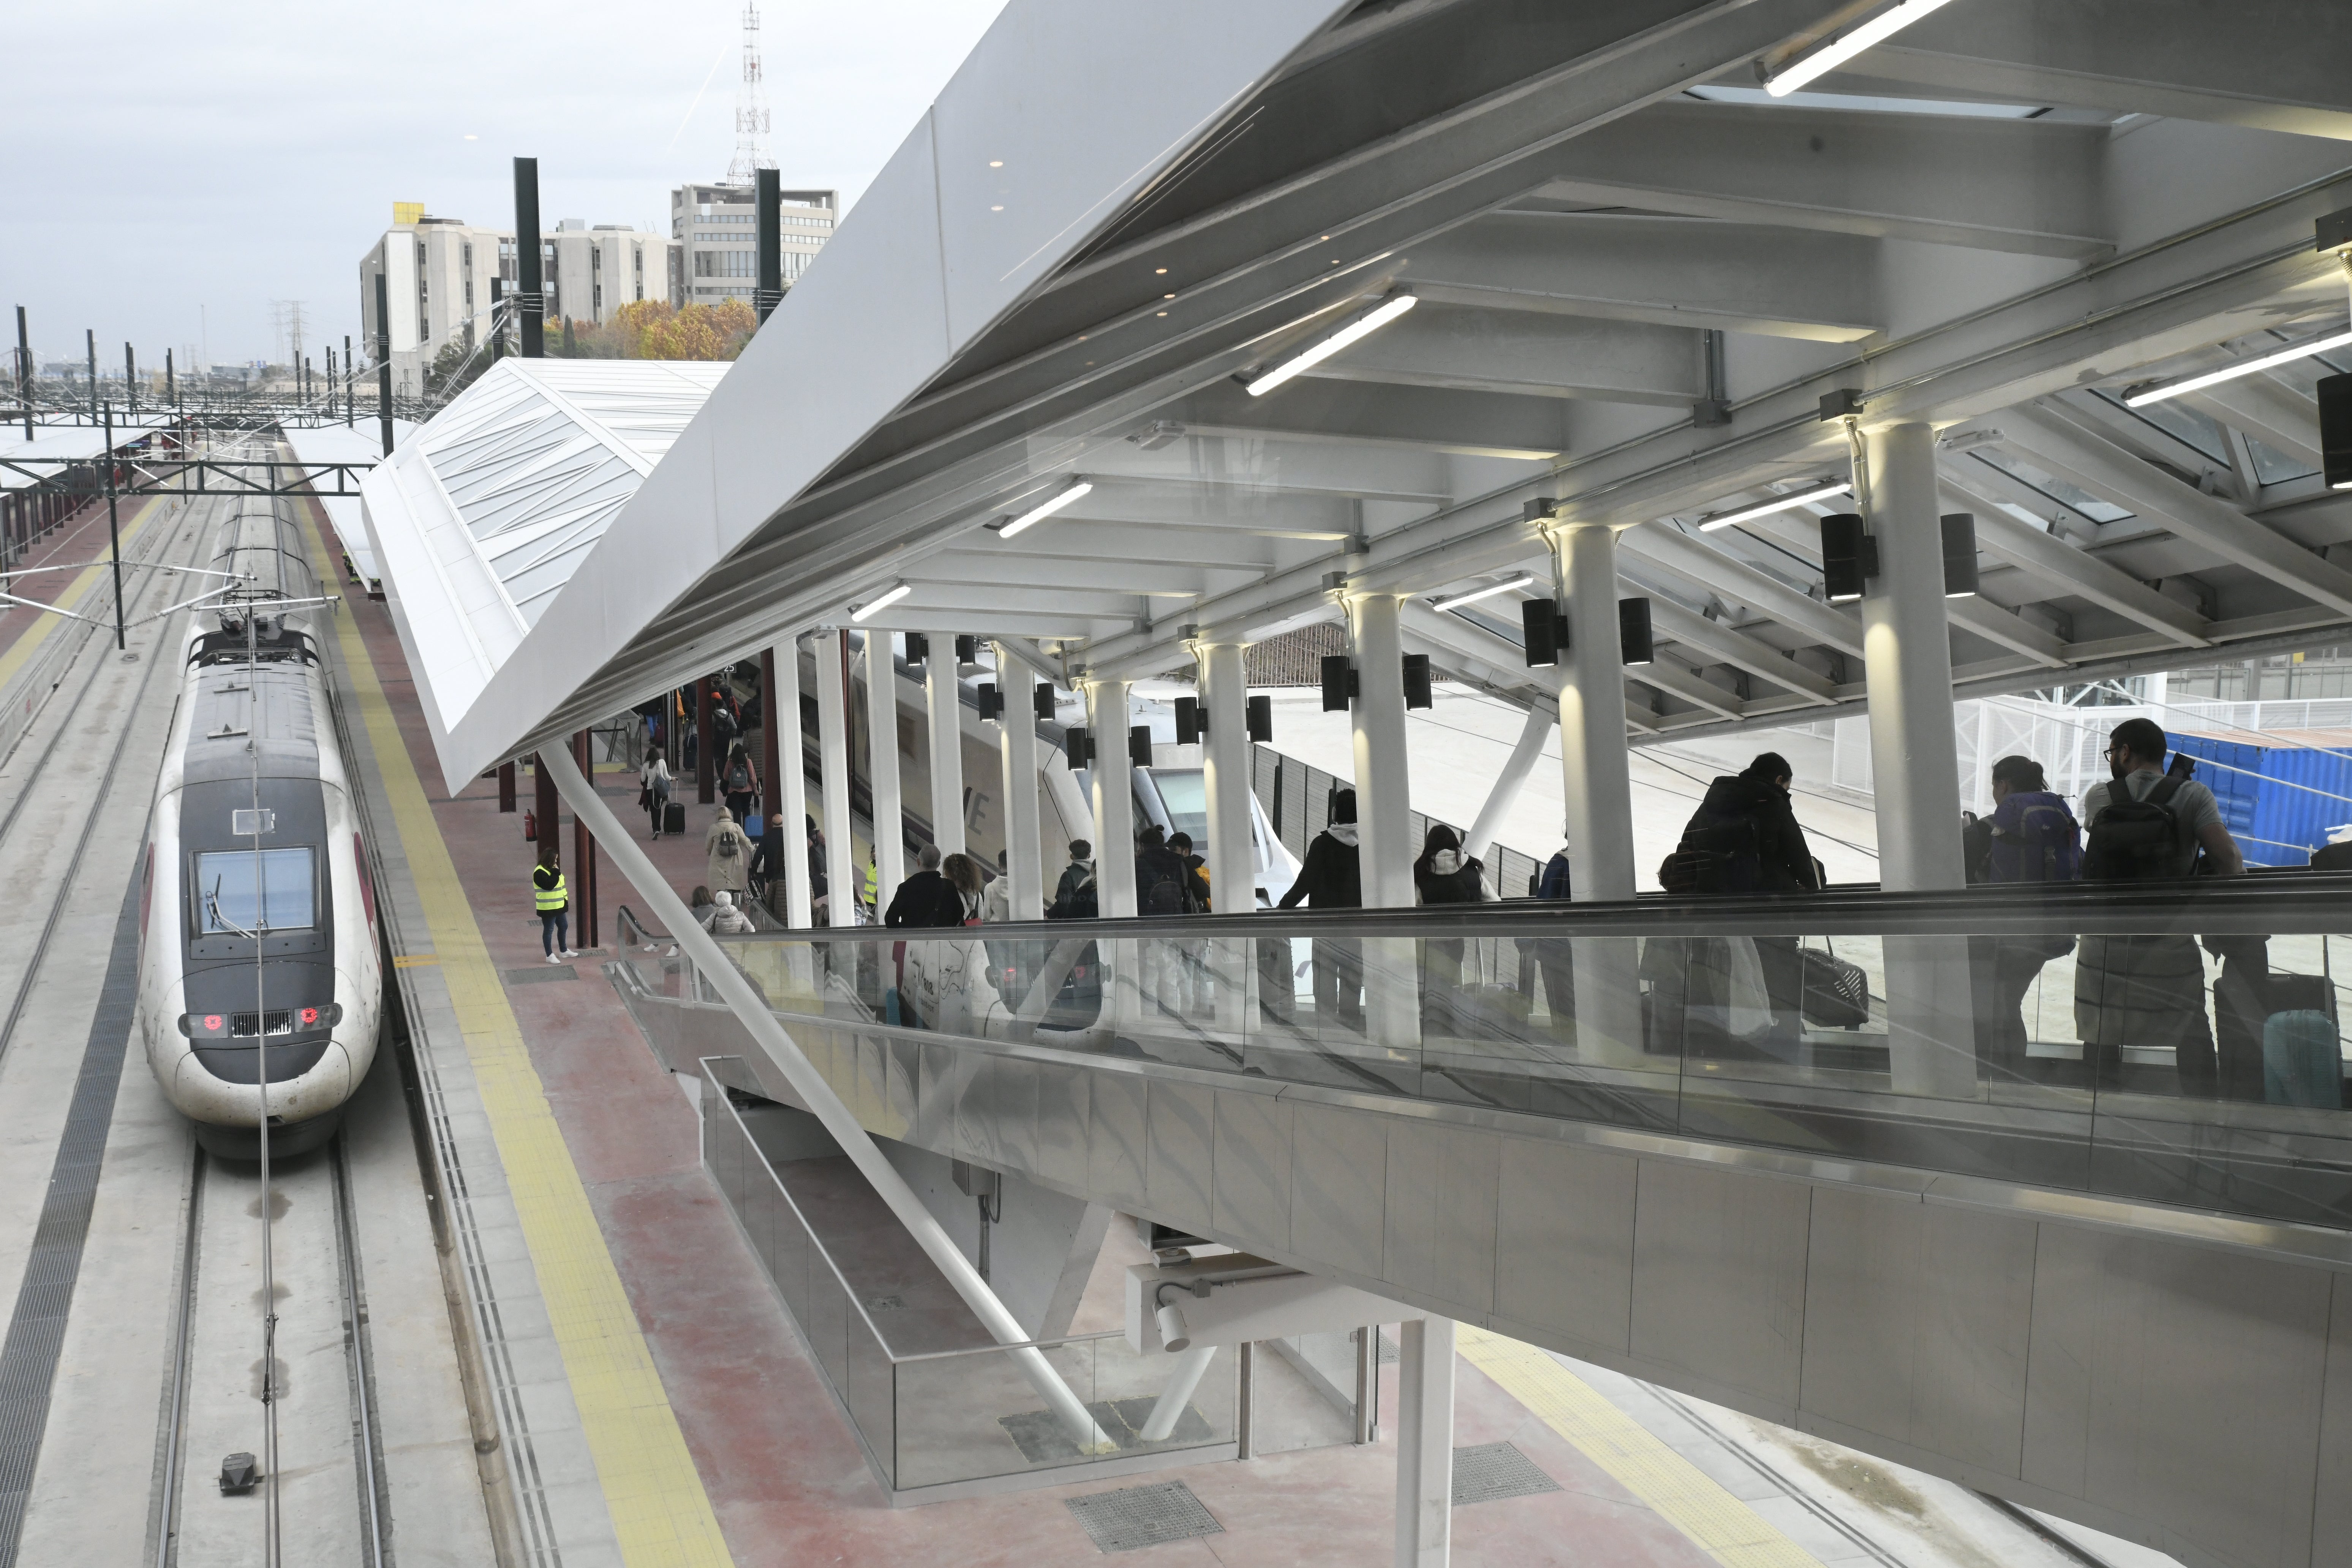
<point x="1332" y="879"/>
<point x="1164" y="885"/>
<point x="2030" y="838"/>
<point x="1743" y="839"/>
<point x="2147" y="826"/>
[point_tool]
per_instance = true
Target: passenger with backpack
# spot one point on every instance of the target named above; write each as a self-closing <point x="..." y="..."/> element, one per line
<point x="1164" y="885"/>
<point x="727" y="856"/>
<point x="1735" y="995"/>
<point x="1074" y="897"/>
<point x="2030" y="838"/>
<point x="2147" y="826"/>
<point x="740" y="782"/>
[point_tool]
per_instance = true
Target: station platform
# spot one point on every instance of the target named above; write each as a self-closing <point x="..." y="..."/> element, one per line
<point x="672" y="1412"/>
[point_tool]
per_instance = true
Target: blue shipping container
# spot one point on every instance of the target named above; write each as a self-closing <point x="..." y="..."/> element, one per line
<point x="2278" y="801"/>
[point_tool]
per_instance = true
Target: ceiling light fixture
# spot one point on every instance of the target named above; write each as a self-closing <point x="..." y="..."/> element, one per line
<point x="1842" y="46"/>
<point x="1371" y="321"/>
<point x="880" y="602"/>
<point x="1778" y="504"/>
<point x="1458" y="600"/>
<point x="2243" y="367"/>
<point x="1045" y="509"/>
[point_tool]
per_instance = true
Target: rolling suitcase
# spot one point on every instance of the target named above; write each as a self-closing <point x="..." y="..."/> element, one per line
<point x="2303" y="1062"/>
<point x="674" y="816"/>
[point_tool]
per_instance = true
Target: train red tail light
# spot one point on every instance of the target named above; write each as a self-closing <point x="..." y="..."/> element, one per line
<point x="215" y="1021"/>
<point x="310" y="1016"/>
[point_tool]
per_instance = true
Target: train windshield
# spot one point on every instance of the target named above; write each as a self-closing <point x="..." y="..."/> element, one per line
<point x="227" y="900"/>
<point x="1185" y="793"/>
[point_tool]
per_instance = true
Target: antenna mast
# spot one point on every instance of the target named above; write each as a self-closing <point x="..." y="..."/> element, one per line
<point x="751" y="108"/>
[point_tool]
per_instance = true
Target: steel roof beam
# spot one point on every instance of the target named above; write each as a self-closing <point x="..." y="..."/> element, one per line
<point x="1667" y="271"/>
<point x="1476" y="423"/>
<point x="1525" y="354"/>
<point x="1718" y="644"/>
<point x="2015" y="185"/>
<point x="1694" y="559"/>
<point x="2054" y="441"/>
<point x="2271" y="412"/>
<point x="2068" y="570"/>
<point x="2276" y="67"/>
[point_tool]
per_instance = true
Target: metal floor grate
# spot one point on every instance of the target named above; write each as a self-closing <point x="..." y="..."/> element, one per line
<point x="1144" y="1515"/>
<point x="1489" y="1472"/>
<point x="534" y="976"/>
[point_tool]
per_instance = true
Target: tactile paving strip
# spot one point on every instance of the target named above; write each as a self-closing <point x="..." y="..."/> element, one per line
<point x="1489" y="1472"/>
<point x="1145" y="1516"/>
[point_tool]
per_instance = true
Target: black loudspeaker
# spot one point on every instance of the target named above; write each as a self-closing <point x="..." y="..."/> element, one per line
<point x="2336" y="431"/>
<point x="1634" y="640"/>
<point x="1077" y="749"/>
<point x="1959" y="554"/>
<point x="1849" y="557"/>
<point x="1042" y="700"/>
<point x="967" y="649"/>
<point x="1139" y="745"/>
<point x="919" y="649"/>
<point x="1261" y="720"/>
<point x="1416" y="682"/>
<point x="1191" y="720"/>
<point x="992" y="701"/>
<point x="1545" y="629"/>
<point x="1338" y="683"/>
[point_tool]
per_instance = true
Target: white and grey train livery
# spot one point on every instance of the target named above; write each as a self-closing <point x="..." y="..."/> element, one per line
<point x="253" y="721"/>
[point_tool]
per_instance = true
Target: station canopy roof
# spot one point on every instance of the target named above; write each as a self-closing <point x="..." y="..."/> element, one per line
<point x="1637" y="278"/>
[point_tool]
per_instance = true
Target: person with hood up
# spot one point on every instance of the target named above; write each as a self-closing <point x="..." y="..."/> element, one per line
<point x="727" y="855"/>
<point x="1743" y="839"/>
<point x="1332" y="879"/>
<point x="1444" y="874"/>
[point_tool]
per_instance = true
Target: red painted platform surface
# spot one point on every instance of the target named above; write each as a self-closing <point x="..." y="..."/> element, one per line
<point x="782" y="1468"/>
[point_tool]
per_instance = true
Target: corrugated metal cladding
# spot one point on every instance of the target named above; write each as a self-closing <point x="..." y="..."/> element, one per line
<point x="2275" y="822"/>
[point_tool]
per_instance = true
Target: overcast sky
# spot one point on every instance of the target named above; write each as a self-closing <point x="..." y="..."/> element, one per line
<point x="171" y="169"/>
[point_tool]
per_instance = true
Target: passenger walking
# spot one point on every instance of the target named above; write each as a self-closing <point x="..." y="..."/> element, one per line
<point x="1555" y="957"/>
<point x="820" y="888"/>
<point x="1739" y="993"/>
<point x="727" y="855"/>
<point x="2030" y="838"/>
<point x="767" y="873"/>
<point x="1332" y="879"/>
<point x="1444" y="874"/>
<point x="553" y="901"/>
<point x="739" y="783"/>
<point x="1074" y="895"/>
<point x="1192" y="951"/>
<point x="1164" y="886"/>
<point x="653" y="780"/>
<point x="927" y="898"/>
<point x="996" y="900"/>
<point x="726" y="919"/>
<point x="2149" y="991"/>
<point x="963" y="874"/>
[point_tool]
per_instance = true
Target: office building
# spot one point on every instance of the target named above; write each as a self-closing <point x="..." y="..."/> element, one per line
<point x="715" y="228"/>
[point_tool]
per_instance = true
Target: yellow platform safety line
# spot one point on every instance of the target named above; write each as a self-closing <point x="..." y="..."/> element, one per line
<point x="1727" y="1529"/>
<point x="24" y="646"/>
<point x="661" y="1515"/>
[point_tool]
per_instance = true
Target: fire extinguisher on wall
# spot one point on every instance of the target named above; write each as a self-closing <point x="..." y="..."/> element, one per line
<point x="530" y="828"/>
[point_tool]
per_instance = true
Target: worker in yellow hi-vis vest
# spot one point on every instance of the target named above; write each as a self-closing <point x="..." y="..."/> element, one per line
<point x="871" y="892"/>
<point x="553" y="901"/>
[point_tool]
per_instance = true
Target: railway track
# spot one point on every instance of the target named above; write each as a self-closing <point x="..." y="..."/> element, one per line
<point x="332" y="1502"/>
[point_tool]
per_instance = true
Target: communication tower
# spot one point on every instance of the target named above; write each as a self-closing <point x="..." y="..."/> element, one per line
<point x="751" y="108"/>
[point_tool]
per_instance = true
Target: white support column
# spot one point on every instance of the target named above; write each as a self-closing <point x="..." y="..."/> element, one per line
<point x="1233" y="839"/>
<point x="882" y="767"/>
<point x="1597" y="790"/>
<point x="942" y="693"/>
<point x="1907" y="665"/>
<point x="1377" y="727"/>
<point x="1914" y="759"/>
<point x="792" y="786"/>
<point x="842" y="871"/>
<point x="1424" y="1493"/>
<point x="1513" y="779"/>
<point x="1111" y="780"/>
<point x="1024" y="862"/>
<point x="1591" y="674"/>
<point x="1232" y="848"/>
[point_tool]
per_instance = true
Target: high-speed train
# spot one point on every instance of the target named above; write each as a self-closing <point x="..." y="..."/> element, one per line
<point x="257" y="940"/>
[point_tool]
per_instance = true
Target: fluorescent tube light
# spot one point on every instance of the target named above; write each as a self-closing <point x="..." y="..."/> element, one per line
<point x="880" y="602"/>
<point x="1850" y="43"/>
<point x="1371" y="321"/>
<point x="1778" y="504"/>
<point x="1455" y="602"/>
<point x="1039" y="513"/>
<point x="2243" y="367"/>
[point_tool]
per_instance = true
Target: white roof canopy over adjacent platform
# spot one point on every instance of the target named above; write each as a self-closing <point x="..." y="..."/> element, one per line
<point x="1637" y="278"/>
